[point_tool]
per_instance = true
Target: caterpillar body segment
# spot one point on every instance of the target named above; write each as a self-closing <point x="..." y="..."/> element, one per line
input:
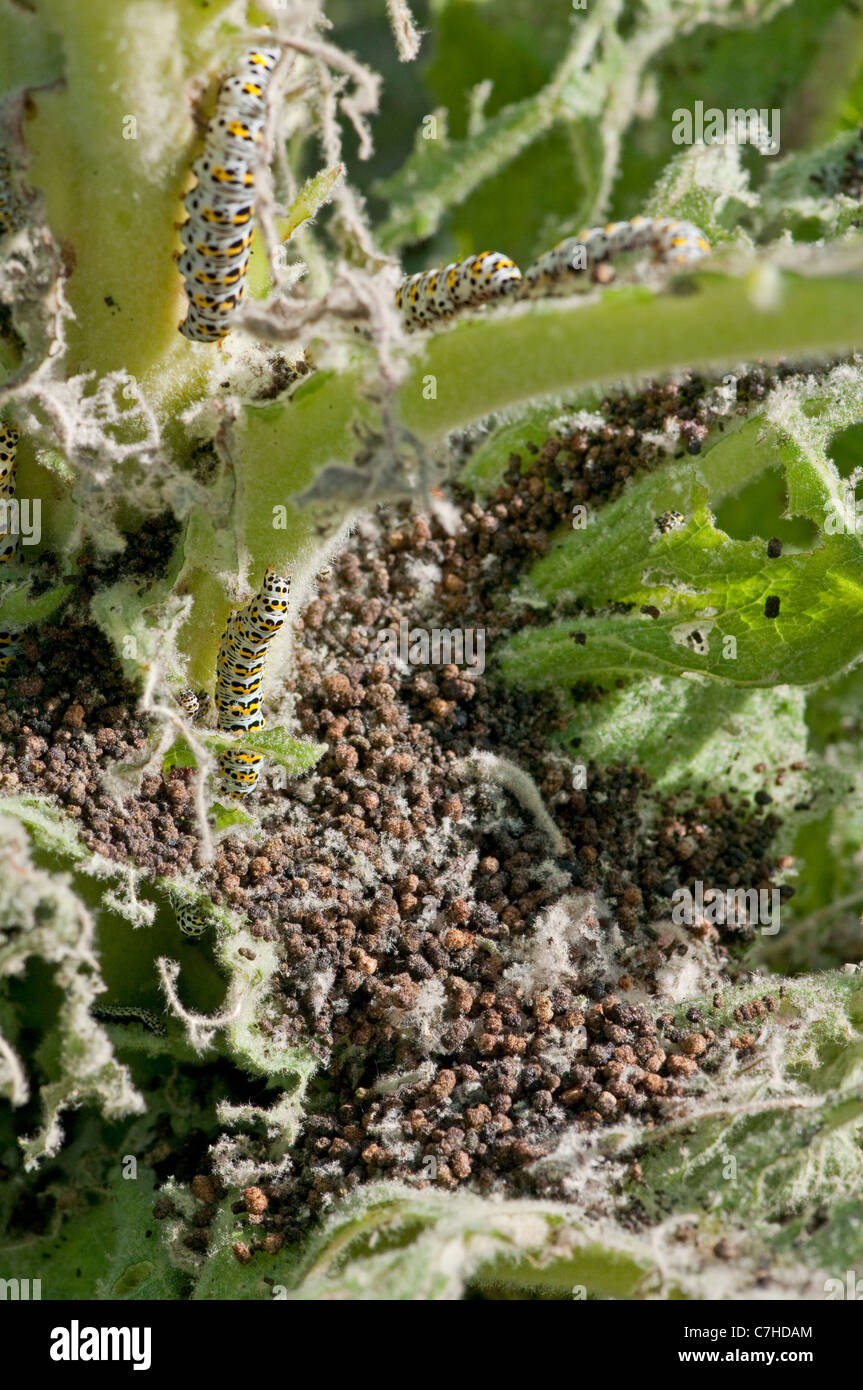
<point x="559" y="270"/>
<point x="436" y="295"/>
<point x="217" y="234"/>
<point x="240" y="667"/>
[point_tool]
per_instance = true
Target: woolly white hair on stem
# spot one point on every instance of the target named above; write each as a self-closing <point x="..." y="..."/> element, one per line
<point x="405" y="31"/>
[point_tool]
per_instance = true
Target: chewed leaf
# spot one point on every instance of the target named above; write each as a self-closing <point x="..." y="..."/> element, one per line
<point x="785" y="1168"/>
<point x="685" y="731"/>
<point x="20" y="608"/>
<point x="701" y="603"/>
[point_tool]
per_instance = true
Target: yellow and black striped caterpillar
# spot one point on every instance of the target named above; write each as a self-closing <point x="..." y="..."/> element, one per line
<point x="8" y="650"/>
<point x="189" y="702"/>
<point x="436" y="295"/>
<point x="672" y="243"/>
<point x="8" y="449"/>
<point x="129" y="1013"/>
<point x="433" y="295"/>
<point x="217" y="235"/>
<point x="239" y="672"/>
<point x="190" y="919"/>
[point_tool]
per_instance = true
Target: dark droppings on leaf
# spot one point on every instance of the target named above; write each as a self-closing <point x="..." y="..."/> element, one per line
<point x="771" y="606"/>
<point x="396" y="890"/>
<point x="774" y="548"/>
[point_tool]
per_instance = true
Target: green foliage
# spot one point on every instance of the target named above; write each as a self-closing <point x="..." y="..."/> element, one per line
<point x="709" y="594"/>
<point x="290" y="753"/>
<point x="535" y="131"/>
<point x="790" y="1122"/>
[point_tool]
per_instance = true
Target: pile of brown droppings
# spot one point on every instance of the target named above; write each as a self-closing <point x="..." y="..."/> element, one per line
<point x="410" y="895"/>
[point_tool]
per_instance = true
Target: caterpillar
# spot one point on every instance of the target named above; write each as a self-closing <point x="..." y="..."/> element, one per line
<point x="670" y="521"/>
<point x="217" y="234"/>
<point x="239" y="672"/>
<point x="129" y="1013"/>
<point x="672" y="242"/>
<point x="434" y="295"/>
<point x="8" y="650"/>
<point x="189" y="702"/>
<point x="8" y="448"/>
<point x="190" y="919"/>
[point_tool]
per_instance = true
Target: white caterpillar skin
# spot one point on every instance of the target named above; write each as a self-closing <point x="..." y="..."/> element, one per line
<point x="217" y="235"/>
<point x="239" y="672"/>
<point x="435" y="295"/>
<point x="559" y="270"/>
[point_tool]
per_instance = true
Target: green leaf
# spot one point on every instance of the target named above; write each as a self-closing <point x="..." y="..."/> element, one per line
<point x="19" y="608"/>
<point x="315" y="193"/>
<point x="687" y="733"/>
<point x="50" y="829"/>
<point x="178" y="755"/>
<point x="224" y="817"/>
<point x="388" y="1243"/>
<point x="790" y="1120"/>
<point x="702" y="604"/>
<point x="294" y="754"/>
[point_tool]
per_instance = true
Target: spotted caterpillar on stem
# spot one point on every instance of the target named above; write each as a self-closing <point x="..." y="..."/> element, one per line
<point x="217" y="235"/>
<point x="190" y="919"/>
<point x="432" y="296"/>
<point x="239" y="672"/>
<point x="672" y="242"/>
<point x="189" y="702"/>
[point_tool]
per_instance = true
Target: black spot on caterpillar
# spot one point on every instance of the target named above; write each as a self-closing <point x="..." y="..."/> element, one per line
<point x="129" y="1013"/>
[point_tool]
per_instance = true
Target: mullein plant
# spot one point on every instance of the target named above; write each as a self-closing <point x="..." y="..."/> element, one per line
<point x="299" y="396"/>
